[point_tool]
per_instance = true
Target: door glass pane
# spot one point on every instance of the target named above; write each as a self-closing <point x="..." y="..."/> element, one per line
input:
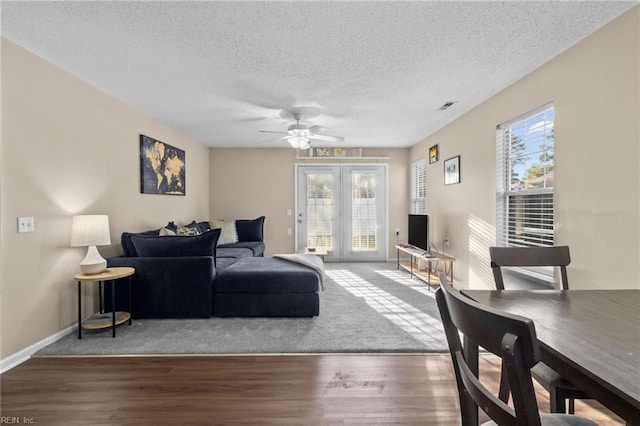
<point x="319" y="201"/>
<point x="363" y="209"/>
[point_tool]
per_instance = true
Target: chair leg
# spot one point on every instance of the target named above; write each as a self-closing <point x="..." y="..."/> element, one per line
<point x="557" y="401"/>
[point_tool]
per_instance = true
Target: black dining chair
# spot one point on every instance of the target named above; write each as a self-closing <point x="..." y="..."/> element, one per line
<point x="513" y="339"/>
<point x="559" y="388"/>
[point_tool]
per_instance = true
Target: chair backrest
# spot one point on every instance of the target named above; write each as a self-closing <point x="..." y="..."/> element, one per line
<point x="529" y="256"/>
<point x="511" y="337"/>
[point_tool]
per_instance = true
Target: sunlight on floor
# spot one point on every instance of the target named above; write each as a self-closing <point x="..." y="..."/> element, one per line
<point x="405" y="279"/>
<point x="418" y="324"/>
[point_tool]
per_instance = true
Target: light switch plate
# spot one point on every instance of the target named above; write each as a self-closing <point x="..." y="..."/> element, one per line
<point x="25" y="224"/>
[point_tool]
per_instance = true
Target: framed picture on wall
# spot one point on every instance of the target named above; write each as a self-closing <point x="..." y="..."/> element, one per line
<point x="433" y="154"/>
<point x="162" y="168"/>
<point x="339" y="152"/>
<point x="452" y="170"/>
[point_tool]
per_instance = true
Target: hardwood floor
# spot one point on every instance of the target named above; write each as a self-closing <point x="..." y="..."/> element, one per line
<point x="247" y="390"/>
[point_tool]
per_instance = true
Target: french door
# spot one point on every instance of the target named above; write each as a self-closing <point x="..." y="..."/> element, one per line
<point x="343" y="208"/>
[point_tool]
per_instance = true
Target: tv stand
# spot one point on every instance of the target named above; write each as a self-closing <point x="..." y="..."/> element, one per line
<point x="430" y="274"/>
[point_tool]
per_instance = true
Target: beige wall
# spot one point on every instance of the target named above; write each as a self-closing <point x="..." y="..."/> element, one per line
<point x="247" y="183"/>
<point x="595" y="88"/>
<point x="68" y="148"/>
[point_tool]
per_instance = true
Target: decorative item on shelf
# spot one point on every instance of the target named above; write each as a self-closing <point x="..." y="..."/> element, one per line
<point x="356" y="152"/>
<point x="339" y="152"/>
<point x="312" y="152"/>
<point x="91" y="231"/>
<point x="322" y="152"/>
<point x="162" y="168"/>
<point x="452" y="170"/>
<point x="433" y="154"/>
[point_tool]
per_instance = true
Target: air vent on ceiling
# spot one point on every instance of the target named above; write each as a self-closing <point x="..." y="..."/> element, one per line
<point x="446" y="105"/>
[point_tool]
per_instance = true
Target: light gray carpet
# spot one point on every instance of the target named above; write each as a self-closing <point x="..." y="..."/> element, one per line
<point x="367" y="307"/>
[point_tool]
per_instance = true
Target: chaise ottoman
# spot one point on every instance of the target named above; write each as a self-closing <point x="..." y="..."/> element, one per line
<point x="267" y="287"/>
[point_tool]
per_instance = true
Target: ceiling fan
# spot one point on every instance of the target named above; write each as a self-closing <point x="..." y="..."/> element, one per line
<point x="300" y="135"/>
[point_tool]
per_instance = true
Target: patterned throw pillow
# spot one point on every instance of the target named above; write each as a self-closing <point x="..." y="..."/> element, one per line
<point x="167" y="232"/>
<point x="186" y="230"/>
<point x="229" y="233"/>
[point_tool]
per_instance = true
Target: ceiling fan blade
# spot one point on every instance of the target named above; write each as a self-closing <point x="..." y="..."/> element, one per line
<point x="278" y="133"/>
<point x="327" y="138"/>
<point x="316" y="128"/>
<point x="276" y="139"/>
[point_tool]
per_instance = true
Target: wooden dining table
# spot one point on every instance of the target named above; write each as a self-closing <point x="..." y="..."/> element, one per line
<point x="590" y="337"/>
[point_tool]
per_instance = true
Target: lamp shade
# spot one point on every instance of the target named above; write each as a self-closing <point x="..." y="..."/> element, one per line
<point x="90" y="230"/>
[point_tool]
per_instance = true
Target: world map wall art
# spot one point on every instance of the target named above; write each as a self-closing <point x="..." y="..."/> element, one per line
<point x="162" y="168"/>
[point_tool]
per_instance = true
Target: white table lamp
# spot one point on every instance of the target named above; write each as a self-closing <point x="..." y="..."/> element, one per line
<point x="91" y="231"/>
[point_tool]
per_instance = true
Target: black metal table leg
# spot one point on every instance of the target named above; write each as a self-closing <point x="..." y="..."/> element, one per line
<point x="100" y="297"/>
<point x="113" y="306"/>
<point x="79" y="310"/>
<point x="130" y="308"/>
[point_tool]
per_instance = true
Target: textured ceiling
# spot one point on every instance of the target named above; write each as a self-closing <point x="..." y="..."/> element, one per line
<point x="377" y="71"/>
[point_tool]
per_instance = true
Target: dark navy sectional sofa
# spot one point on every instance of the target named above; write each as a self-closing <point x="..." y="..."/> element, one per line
<point x="193" y="277"/>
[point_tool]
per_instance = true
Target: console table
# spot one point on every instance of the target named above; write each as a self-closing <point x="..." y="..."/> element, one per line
<point x="429" y="275"/>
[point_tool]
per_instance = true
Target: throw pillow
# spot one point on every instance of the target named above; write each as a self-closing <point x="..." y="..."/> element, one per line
<point x="199" y="245"/>
<point x="204" y="226"/>
<point x="250" y="230"/>
<point x="164" y="232"/>
<point x="128" y="250"/>
<point x="187" y="231"/>
<point x="228" y="234"/>
<point x="195" y="225"/>
<point x="171" y="227"/>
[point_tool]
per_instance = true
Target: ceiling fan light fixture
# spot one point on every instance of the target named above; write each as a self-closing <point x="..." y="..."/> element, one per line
<point x="299" y="142"/>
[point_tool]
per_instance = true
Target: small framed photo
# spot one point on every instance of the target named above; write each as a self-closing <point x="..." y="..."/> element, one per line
<point x="452" y="170"/>
<point x="356" y="152"/>
<point x="433" y="154"/>
<point x="339" y="152"/>
<point x="322" y="152"/>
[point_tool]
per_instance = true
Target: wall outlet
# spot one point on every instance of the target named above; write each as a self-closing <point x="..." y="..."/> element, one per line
<point x="289" y="231"/>
<point x="25" y="224"/>
<point x="446" y="242"/>
<point x="397" y="232"/>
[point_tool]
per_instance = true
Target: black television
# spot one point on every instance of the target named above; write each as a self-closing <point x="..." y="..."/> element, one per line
<point x="419" y="231"/>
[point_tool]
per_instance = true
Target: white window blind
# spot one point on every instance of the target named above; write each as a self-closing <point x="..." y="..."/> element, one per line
<point x="364" y="215"/>
<point x="319" y="199"/>
<point x="524" y="187"/>
<point x="418" y="188"/>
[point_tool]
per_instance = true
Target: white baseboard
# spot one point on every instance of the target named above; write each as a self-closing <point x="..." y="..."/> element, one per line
<point x="19" y="357"/>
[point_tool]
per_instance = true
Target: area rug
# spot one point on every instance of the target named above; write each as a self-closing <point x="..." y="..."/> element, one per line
<point x="366" y="308"/>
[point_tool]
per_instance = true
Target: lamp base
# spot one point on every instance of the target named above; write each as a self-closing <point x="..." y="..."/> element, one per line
<point x="93" y="263"/>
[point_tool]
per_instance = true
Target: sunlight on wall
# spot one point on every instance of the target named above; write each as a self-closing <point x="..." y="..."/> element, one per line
<point x="482" y="235"/>
<point x="418" y="324"/>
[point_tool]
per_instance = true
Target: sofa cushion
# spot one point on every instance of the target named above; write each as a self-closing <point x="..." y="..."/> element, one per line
<point x="250" y="230"/>
<point x="257" y="247"/>
<point x="223" y="263"/>
<point x="229" y="234"/>
<point x="156" y="246"/>
<point x="267" y="275"/>
<point x="128" y="250"/>
<point x="234" y="252"/>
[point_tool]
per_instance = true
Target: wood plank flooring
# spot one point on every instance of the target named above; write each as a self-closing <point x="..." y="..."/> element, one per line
<point x="245" y="390"/>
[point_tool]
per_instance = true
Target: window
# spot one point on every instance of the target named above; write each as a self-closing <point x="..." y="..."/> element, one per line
<point x="418" y="188"/>
<point x="524" y="211"/>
